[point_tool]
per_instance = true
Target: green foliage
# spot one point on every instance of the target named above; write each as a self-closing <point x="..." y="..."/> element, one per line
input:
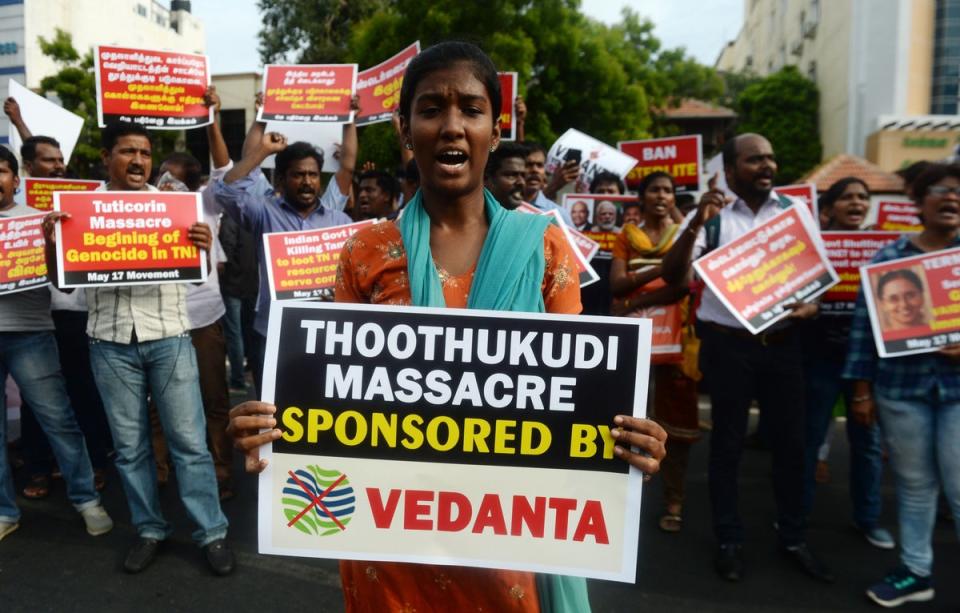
<point x="784" y="108"/>
<point x="75" y="85"/>
<point x="573" y="71"/>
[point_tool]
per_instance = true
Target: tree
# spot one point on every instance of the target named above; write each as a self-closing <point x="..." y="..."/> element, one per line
<point x="75" y="85"/>
<point x="784" y="107"/>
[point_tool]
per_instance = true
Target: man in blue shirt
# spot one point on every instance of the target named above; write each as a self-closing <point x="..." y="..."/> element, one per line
<point x="248" y="199"/>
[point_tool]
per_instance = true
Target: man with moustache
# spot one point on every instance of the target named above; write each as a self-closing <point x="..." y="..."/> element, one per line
<point x="298" y="206"/>
<point x="505" y="173"/>
<point x="605" y="216"/>
<point x="536" y="179"/>
<point x="378" y="191"/>
<point x="741" y="366"/>
<point x="140" y="344"/>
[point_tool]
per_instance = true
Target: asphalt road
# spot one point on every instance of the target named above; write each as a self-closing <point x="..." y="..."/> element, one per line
<point x="51" y="564"/>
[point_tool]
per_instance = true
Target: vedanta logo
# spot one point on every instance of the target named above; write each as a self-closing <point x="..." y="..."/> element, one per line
<point x="318" y="502"/>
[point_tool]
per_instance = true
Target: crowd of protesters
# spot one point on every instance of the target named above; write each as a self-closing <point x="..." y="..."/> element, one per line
<point x="140" y="376"/>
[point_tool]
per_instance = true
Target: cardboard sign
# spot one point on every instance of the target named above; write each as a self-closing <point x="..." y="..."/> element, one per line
<point x="508" y="105"/>
<point x="595" y="156"/>
<point x="452" y="436"/>
<point x="324" y="136"/>
<point x="301" y="265"/>
<point x="312" y="93"/>
<point x="583" y="248"/>
<point x="46" y="118"/>
<point x="914" y="303"/>
<point x="22" y="262"/>
<point x="679" y="156"/>
<point x="38" y="193"/>
<point x="806" y="192"/>
<point x="379" y="87"/>
<point x="777" y="263"/>
<point x="158" y="89"/>
<point x="894" y="214"/>
<point x="128" y="238"/>
<point x="598" y="216"/>
<point x="848" y="251"/>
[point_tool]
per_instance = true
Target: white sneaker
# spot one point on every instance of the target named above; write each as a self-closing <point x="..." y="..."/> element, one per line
<point x="97" y="520"/>
<point x="6" y="527"/>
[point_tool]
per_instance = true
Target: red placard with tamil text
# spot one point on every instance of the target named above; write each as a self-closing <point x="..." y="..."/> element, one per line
<point x="897" y="215"/>
<point x="802" y="191"/>
<point x="848" y="251"/>
<point x="508" y="105"/>
<point x="312" y="93"/>
<point x="777" y="263"/>
<point x="301" y="265"/>
<point x="914" y="303"/>
<point x="680" y="156"/>
<point x="158" y="89"/>
<point x="38" y="193"/>
<point x="22" y="262"/>
<point x="379" y="87"/>
<point x="128" y="238"/>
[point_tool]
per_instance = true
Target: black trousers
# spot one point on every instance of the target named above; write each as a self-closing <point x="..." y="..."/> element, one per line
<point x="770" y="370"/>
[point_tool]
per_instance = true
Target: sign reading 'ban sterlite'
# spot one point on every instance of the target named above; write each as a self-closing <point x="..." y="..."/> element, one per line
<point x="441" y="436"/>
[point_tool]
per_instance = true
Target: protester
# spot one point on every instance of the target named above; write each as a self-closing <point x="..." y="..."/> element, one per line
<point x="741" y="365"/>
<point x="605" y="182"/>
<point x="239" y="285"/>
<point x="916" y="401"/>
<point x="140" y="345"/>
<point x="632" y="213"/>
<point x="636" y="284"/>
<point x="28" y="353"/>
<point x="504" y="174"/>
<point x="375" y="196"/>
<point x="825" y="337"/>
<point x="536" y="180"/>
<point x="448" y="223"/>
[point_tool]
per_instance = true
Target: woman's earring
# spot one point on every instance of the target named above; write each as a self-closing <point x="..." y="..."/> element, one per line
<point x="492" y="149"/>
<point x="408" y="146"/>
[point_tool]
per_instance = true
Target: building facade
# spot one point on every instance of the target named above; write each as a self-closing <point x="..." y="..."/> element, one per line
<point x="147" y="24"/>
<point x="876" y="63"/>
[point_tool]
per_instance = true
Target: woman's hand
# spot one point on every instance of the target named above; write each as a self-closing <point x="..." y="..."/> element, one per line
<point x="246" y="422"/>
<point x="645" y="434"/>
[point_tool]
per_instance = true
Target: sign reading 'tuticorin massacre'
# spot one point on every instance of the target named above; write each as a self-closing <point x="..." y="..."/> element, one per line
<point x="453" y="436"/>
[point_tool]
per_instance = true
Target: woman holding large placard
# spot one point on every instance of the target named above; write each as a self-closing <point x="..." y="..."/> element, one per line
<point x="916" y="399"/>
<point x="455" y="246"/>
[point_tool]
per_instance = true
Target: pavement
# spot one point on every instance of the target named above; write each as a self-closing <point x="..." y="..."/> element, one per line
<point x="51" y="564"/>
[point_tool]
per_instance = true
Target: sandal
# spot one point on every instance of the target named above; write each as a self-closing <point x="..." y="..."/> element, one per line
<point x="670" y="522"/>
<point x="37" y="488"/>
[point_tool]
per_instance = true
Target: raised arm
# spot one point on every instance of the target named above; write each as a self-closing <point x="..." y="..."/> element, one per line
<point x="218" y="146"/>
<point x="12" y="110"/>
<point x="269" y="143"/>
<point x="348" y="152"/>
<point x="252" y="140"/>
<point x="521" y="108"/>
<point x="676" y="263"/>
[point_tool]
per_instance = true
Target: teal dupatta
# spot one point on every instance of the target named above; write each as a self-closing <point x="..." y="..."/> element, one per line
<point x="508" y="278"/>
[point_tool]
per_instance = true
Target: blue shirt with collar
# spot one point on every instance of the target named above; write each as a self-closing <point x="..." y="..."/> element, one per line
<point x="546" y="205"/>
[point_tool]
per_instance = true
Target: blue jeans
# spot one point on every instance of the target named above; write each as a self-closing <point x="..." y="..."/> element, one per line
<point x="32" y="360"/>
<point x="922" y="438"/>
<point x="233" y="330"/>
<point x="824" y="385"/>
<point x="167" y="369"/>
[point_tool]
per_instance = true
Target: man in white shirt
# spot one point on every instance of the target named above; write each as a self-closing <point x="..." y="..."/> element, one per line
<point x="739" y="366"/>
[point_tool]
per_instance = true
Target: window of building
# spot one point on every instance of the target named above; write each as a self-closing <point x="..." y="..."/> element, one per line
<point x="140" y="10"/>
<point x="812" y="70"/>
<point x="945" y="87"/>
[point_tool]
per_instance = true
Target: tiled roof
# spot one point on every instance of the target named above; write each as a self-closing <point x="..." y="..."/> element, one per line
<point x="691" y="108"/>
<point x="845" y="165"/>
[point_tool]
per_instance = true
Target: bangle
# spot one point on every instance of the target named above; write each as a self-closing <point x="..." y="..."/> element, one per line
<point x="863" y="398"/>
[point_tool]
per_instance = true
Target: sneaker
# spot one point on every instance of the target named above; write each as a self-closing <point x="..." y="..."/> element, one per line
<point x="878" y="537"/>
<point x="141" y="555"/>
<point x="901" y="586"/>
<point x="6" y="527"/>
<point x="219" y="557"/>
<point x="97" y="520"/>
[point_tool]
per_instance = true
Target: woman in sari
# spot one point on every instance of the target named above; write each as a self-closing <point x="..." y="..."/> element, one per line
<point x="637" y="287"/>
<point x="456" y="247"/>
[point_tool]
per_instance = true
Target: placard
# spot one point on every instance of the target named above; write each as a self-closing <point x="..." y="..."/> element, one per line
<point x="452" y="436"/>
<point x="302" y="265"/>
<point x="583" y="248"/>
<point x="777" y="263"/>
<point x="379" y="87"/>
<point x="127" y="238"/>
<point x="54" y="120"/>
<point x="158" y="89"/>
<point x="38" y="193"/>
<point x="311" y="93"/>
<point x="807" y="192"/>
<point x="598" y="216"/>
<point x="595" y="157"/>
<point x="895" y="214"/>
<point x="508" y="105"/>
<point x="914" y="303"/>
<point x="22" y="262"/>
<point x="679" y="156"/>
<point x="848" y="251"/>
